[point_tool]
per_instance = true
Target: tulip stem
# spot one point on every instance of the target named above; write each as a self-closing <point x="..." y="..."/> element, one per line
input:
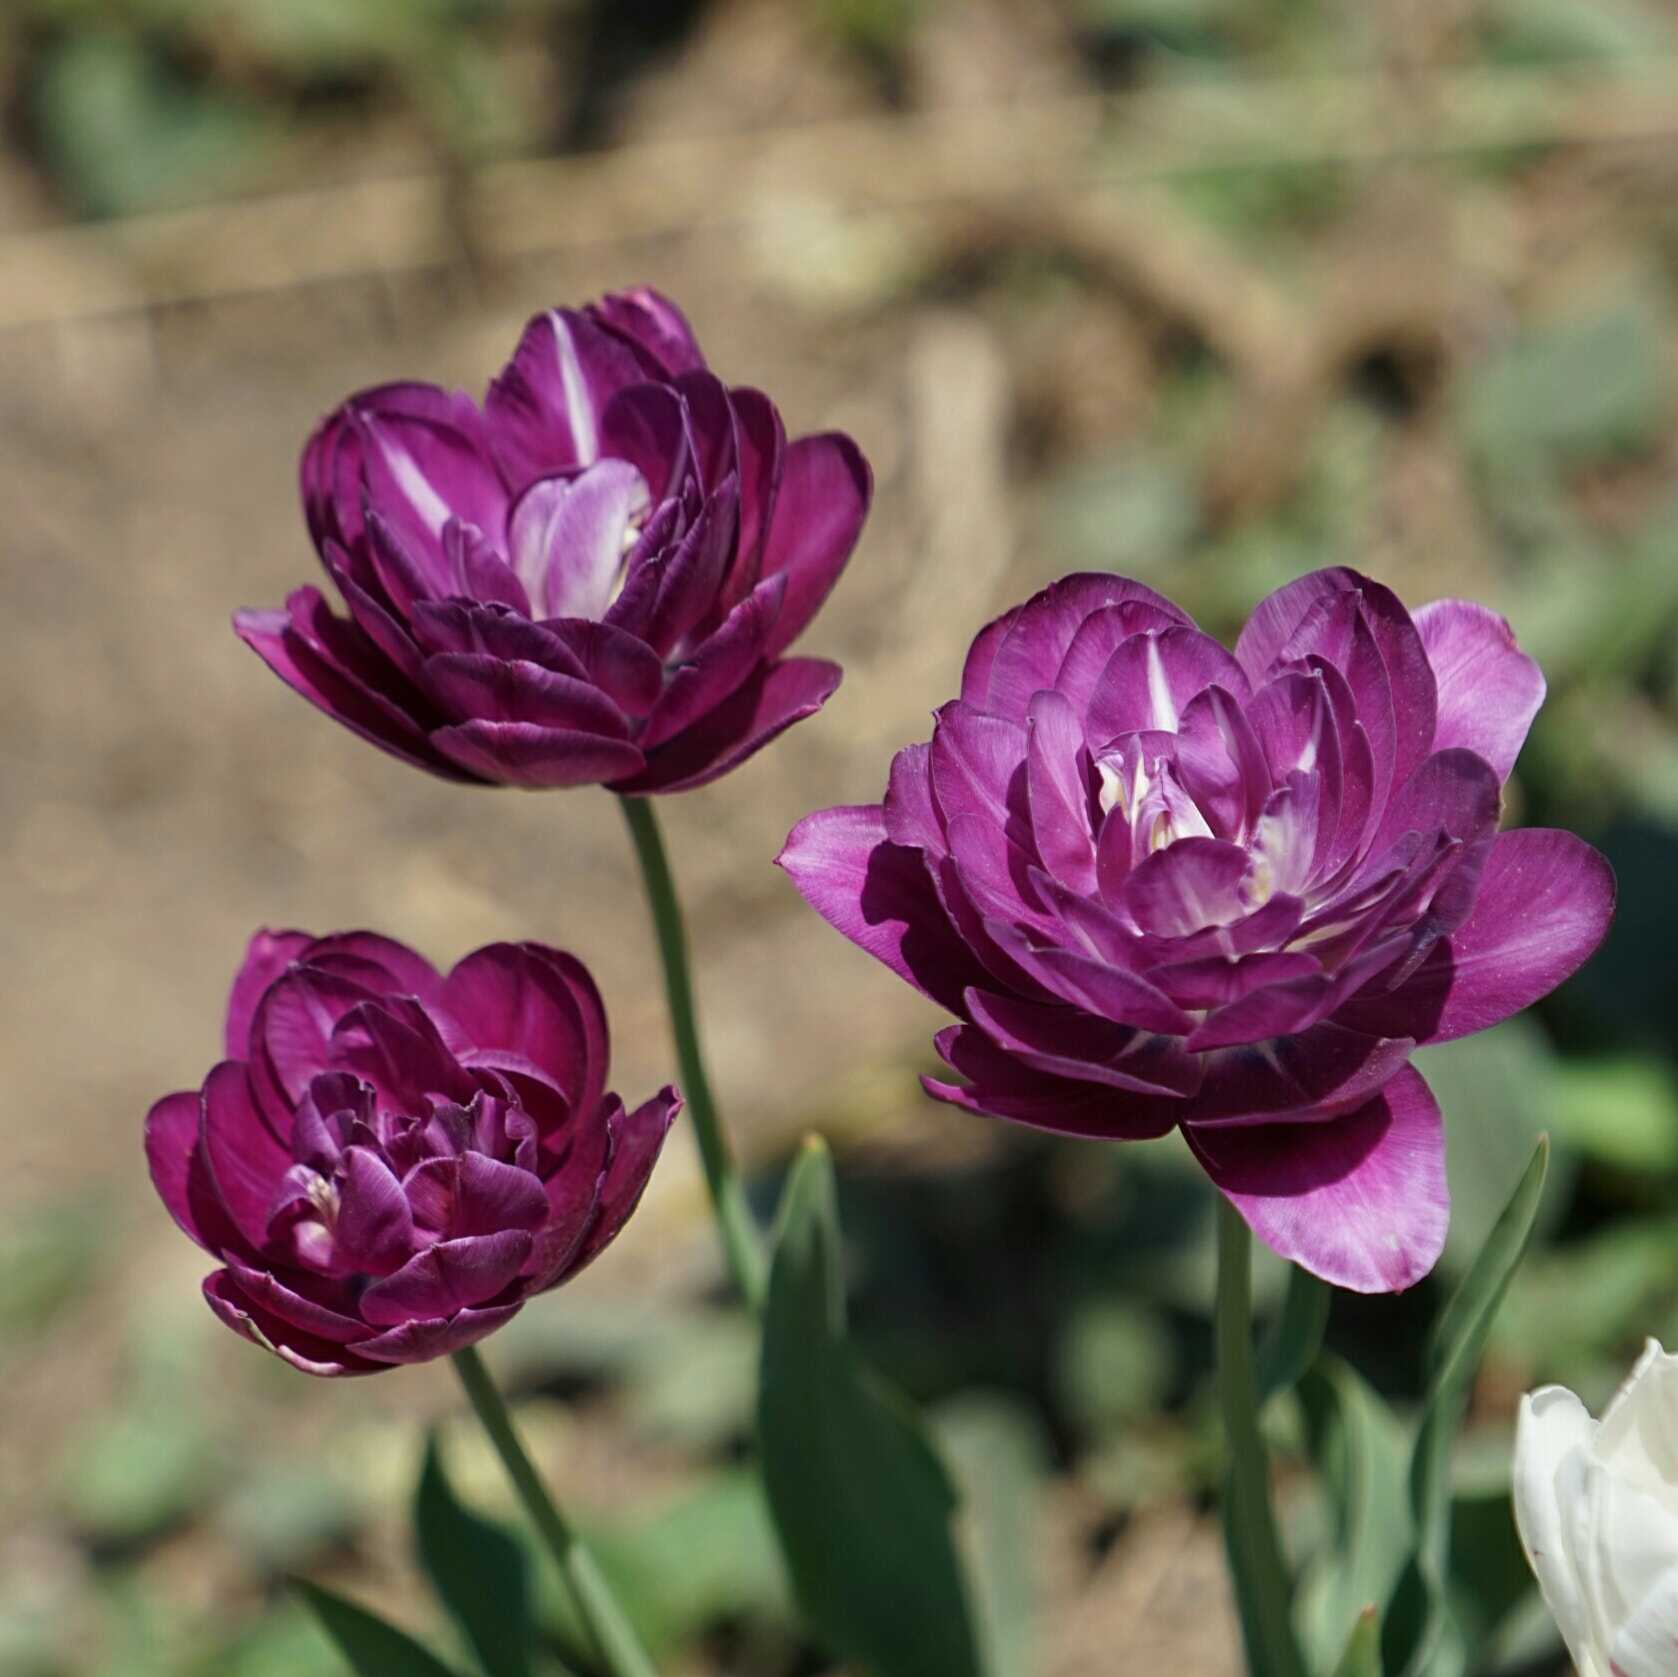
<point x="742" y="1243"/>
<point x="620" y="1650"/>
<point x="1257" y="1567"/>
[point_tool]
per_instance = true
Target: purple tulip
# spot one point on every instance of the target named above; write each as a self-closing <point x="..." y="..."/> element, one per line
<point x="1164" y="886"/>
<point x="390" y="1162"/>
<point x="592" y="577"/>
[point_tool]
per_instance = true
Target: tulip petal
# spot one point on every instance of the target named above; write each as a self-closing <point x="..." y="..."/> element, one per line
<point x="244" y="1160"/>
<point x="1643" y="1646"/>
<point x="761" y="446"/>
<point x="452" y="1275"/>
<point x="1150" y="679"/>
<point x="1359" y="1201"/>
<point x="717" y="667"/>
<point x="492" y="1196"/>
<point x="766" y="704"/>
<point x="338" y="669"/>
<point x="1544" y="904"/>
<point x="303" y="1350"/>
<point x="566" y="538"/>
<point x="511" y="690"/>
<point x="266" y="956"/>
<point x="621" y="665"/>
<point x="640" y="1139"/>
<point x="171" y="1143"/>
<point x="1489" y="690"/>
<point x="1067" y="1042"/>
<point x="1553" y="1424"/>
<point x="653" y="324"/>
<point x="441" y="1336"/>
<point x="881" y="897"/>
<point x="536" y="1003"/>
<point x="1057" y="790"/>
<point x="261" y="1288"/>
<point x="375" y="1228"/>
<point x="528" y="754"/>
<point x="1001" y="1086"/>
<point x="544" y="408"/>
<point x="1186" y="887"/>
<point x="1029" y="656"/>
<point x="820" y="505"/>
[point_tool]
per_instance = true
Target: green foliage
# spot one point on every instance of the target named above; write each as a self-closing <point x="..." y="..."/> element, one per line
<point x="861" y="1501"/>
<point x="371" y="1647"/>
<point x="479" y="1571"/>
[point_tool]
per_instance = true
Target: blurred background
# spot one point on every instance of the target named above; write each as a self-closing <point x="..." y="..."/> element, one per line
<point x="1210" y="292"/>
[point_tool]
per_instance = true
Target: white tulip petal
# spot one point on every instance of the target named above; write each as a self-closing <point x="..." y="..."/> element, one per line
<point x="1639" y="1436"/>
<point x="1624" y="1540"/>
<point x="1647" y="1643"/>
<point x="1553" y="1426"/>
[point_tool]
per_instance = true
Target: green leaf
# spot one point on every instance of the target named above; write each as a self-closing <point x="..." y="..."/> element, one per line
<point x="480" y="1572"/>
<point x="862" y="1503"/>
<point x="372" y="1647"/>
<point x="1361" y="1455"/>
<point x="1295" y="1337"/>
<point x="1362" y="1657"/>
<point x="1415" y="1617"/>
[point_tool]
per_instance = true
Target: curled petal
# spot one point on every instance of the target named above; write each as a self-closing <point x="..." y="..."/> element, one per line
<point x="820" y="505"/>
<point x="1359" y="1201"/>
<point x="1489" y="690"/>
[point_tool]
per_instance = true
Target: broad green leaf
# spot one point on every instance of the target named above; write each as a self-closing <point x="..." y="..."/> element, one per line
<point x="1001" y="1456"/>
<point x="862" y="1503"/>
<point x="1415" y="1618"/>
<point x="1361" y="1455"/>
<point x="1362" y="1657"/>
<point x="480" y="1572"/>
<point x="1295" y="1337"/>
<point x="372" y="1647"/>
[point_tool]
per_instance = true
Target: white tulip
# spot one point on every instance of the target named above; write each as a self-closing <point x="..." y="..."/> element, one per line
<point x="1596" y="1504"/>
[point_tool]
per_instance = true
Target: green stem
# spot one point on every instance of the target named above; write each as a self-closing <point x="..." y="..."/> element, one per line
<point x="741" y="1240"/>
<point x="619" y="1648"/>
<point x="1256" y="1564"/>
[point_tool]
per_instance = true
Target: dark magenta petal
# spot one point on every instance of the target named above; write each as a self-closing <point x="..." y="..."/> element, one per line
<point x="1150" y="679"/>
<point x="395" y="1045"/>
<point x="266" y="957"/>
<point x="766" y="704"/>
<point x="996" y="874"/>
<point x="910" y="814"/>
<point x="478" y="572"/>
<point x="510" y="690"/>
<point x="820" y="506"/>
<point x="717" y="667"/>
<point x="538" y="1005"/>
<point x="1099" y="636"/>
<point x="1110" y="991"/>
<point x="244" y="1160"/>
<point x="976" y="758"/>
<point x="1217" y="980"/>
<point x="690" y="581"/>
<point x="981" y="657"/>
<point x="1220" y="762"/>
<point x="1028" y="656"/>
<point x="376" y="962"/>
<point x="261" y="1288"/>
<point x="761" y="446"/>
<point x="1001" y="1086"/>
<point x="1452" y="791"/>
<point x="1321" y="1073"/>
<point x="302" y="1349"/>
<point x="650" y="321"/>
<point x="647" y="425"/>
<point x="1489" y="690"/>
<point x="1057" y="789"/>
<point x="450" y="1276"/>
<point x="623" y="666"/>
<point x="1360" y="1202"/>
<point x="528" y="754"/>
<point x="350" y="682"/>
<point x="1544" y="904"/>
<point x="640" y="1137"/>
<point x="424" y="460"/>
<point x="544" y="409"/>
<point x="881" y="897"/>
<point x="375" y="1229"/>
<point x="1187" y="886"/>
<point x="493" y="1196"/>
<point x="420" y="1342"/>
<point x="1071" y="1043"/>
<point x="171" y="1141"/>
<point x="487" y="631"/>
